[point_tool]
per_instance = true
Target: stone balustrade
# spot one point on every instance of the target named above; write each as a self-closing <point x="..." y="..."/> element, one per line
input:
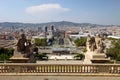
<point x="61" y="68"/>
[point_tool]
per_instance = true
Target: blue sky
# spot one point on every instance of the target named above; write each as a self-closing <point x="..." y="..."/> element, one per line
<point x="81" y="11"/>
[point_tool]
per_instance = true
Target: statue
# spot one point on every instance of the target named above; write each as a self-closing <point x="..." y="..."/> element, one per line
<point x="99" y="44"/>
<point x="24" y="46"/>
<point x="28" y="49"/>
<point x="91" y="45"/>
<point x="21" y="45"/>
<point x="23" y="52"/>
<point x="88" y="45"/>
<point x="95" y="44"/>
<point x="95" y="47"/>
<point x="101" y="47"/>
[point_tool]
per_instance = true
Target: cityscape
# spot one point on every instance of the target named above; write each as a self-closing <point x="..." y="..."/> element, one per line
<point x="59" y="40"/>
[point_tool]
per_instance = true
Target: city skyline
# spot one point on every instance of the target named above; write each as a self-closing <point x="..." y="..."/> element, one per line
<point x="80" y="11"/>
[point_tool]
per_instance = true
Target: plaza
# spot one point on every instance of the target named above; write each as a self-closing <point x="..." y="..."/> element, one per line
<point x="58" y="78"/>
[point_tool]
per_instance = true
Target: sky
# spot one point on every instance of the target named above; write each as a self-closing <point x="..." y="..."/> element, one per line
<point x="79" y="11"/>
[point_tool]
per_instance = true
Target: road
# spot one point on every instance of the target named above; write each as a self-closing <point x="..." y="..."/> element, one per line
<point x="58" y="78"/>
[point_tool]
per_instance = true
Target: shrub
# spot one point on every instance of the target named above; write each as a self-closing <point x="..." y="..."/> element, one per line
<point x="41" y="56"/>
<point x="79" y="56"/>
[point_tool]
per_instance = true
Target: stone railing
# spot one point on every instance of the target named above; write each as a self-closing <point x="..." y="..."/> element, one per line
<point x="61" y="68"/>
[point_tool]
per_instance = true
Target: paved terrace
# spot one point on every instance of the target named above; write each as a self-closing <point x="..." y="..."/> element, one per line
<point x="58" y="78"/>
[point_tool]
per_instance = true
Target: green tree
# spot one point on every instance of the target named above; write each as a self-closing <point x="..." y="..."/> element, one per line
<point x="41" y="56"/>
<point x="41" y="42"/>
<point x="4" y="57"/>
<point x="114" y="51"/>
<point x="79" y="56"/>
<point x="10" y="51"/>
<point x="6" y="53"/>
<point x="80" y="42"/>
<point x="118" y="57"/>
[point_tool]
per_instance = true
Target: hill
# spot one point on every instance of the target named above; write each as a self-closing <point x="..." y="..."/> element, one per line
<point x="57" y="24"/>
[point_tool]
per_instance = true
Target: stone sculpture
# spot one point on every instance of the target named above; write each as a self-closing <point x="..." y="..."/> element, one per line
<point x="23" y="51"/>
<point x="95" y="44"/>
<point x="91" y="46"/>
<point x="21" y="45"/>
<point x="24" y="46"/>
<point x="99" y="44"/>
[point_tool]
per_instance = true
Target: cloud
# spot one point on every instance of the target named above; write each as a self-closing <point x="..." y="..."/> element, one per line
<point x="45" y="9"/>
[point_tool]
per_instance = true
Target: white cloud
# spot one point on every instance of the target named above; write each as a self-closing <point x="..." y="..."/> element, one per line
<point x="46" y="9"/>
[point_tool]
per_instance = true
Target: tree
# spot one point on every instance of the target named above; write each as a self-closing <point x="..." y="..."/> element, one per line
<point x="10" y="51"/>
<point x="41" y="42"/>
<point x="118" y="57"/>
<point x="80" y="42"/>
<point x="6" y="53"/>
<point x="4" y="57"/>
<point x="79" y="56"/>
<point x="114" y="51"/>
<point x="41" y="56"/>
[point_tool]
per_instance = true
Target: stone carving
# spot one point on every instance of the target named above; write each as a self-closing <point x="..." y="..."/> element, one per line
<point x="101" y="47"/>
<point x="88" y="45"/>
<point x="24" y="51"/>
<point x="91" y="46"/>
<point x="99" y="44"/>
<point x="21" y="45"/>
<point x="95" y="44"/>
<point x="24" y="46"/>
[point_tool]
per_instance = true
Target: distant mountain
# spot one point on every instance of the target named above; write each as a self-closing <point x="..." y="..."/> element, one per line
<point x="56" y="24"/>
